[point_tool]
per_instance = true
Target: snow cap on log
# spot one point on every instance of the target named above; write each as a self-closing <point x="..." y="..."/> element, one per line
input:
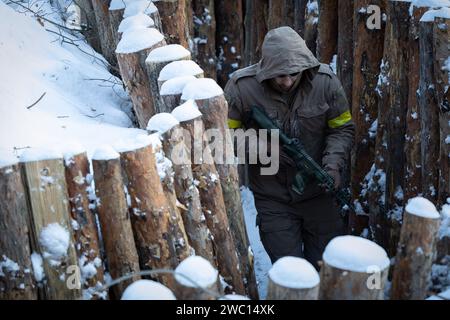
<point x="179" y="69"/>
<point x="105" y="152"/>
<point x="7" y="159"/>
<point x="294" y="273"/>
<point x="196" y="271"/>
<point x="234" y="297"/>
<point x="39" y="154"/>
<point x="175" y="86"/>
<point x="71" y="149"/>
<point x="139" y="21"/>
<point x="137" y="41"/>
<point x="430" y="3"/>
<point x="162" y="122"/>
<point x="430" y="15"/>
<point x="170" y="52"/>
<point x="117" y="4"/>
<point x="187" y="111"/>
<point x="131" y="144"/>
<point x="147" y="290"/>
<point x="423" y="208"/>
<point x="200" y="89"/>
<point x="140" y="6"/>
<point x="355" y="254"/>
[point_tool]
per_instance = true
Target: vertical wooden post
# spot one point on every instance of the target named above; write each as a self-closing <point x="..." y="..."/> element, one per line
<point x="255" y="29"/>
<point x="416" y="250"/>
<point x="53" y="239"/>
<point x="101" y="9"/>
<point x="174" y="21"/>
<point x="132" y="51"/>
<point x="78" y="179"/>
<point x="293" y="279"/>
<point x="171" y="91"/>
<point x="89" y="22"/>
<point x="327" y="31"/>
<point x="312" y="17"/>
<point x="114" y="217"/>
<point x="212" y="104"/>
<point x="16" y="277"/>
<point x="345" y="46"/>
<point x="155" y="62"/>
<point x="116" y="10"/>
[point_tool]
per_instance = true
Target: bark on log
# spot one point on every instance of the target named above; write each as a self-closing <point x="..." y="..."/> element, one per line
<point x="134" y="75"/>
<point x="154" y="65"/>
<point x="117" y="233"/>
<point x="205" y="36"/>
<point x="345" y="46"/>
<point x="213" y="206"/>
<point x="115" y="18"/>
<point x="101" y="11"/>
<point x="49" y="206"/>
<point x="415" y="256"/>
<point x="78" y="179"/>
<point x="153" y="220"/>
<point x="280" y="13"/>
<point x="327" y="31"/>
<point x="89" y="23"/>
<point x="16" y="279"/>
<point x="255" y="29"/>
<point x="188" y="195"/>
<point x="230" y="38"/>
<point x="174" y="21"/>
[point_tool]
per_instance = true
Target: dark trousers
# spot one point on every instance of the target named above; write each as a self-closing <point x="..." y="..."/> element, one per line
<point x="298" y="230"/>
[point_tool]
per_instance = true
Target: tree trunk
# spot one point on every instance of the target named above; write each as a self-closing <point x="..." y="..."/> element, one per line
<point x="415" y="255"/>
<point x="89" y="23"/>
<point x="188" y="195"/>
<point x="16" y="283"/>
<point x="115" y="18"/>
<point x="207" y="179"/>
<point x="255" y="29"/>
<point x="101" y="11"/>
<point x="49" y="205"/>
<point x="230" y="38"/>
<point x="114" y="217"/>
<point x="312" y="17"/>
<point x="281" y="13"/>
<point x="345" y="46"/>
<point x="327" y="31"/>
<point x="134" y="75"/>
<point x="174" y="21"/>
<point x="78" y="179"/>
<point x="205" y="36"/>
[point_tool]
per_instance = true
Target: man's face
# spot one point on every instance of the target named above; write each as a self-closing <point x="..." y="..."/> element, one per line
<point x="285" y="82"/>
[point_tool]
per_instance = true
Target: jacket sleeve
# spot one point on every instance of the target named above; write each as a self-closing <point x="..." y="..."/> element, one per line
<point x="340" y="128"/>
<point x="235" y="120"/>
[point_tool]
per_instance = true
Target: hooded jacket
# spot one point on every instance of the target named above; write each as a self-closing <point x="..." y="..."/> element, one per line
<point x="318" y="113"/>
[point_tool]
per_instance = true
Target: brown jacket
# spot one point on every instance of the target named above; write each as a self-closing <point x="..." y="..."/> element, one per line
<point x="318" y="112"/>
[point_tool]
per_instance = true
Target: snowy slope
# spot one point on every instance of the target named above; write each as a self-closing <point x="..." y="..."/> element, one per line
<point x="83" y="102"/>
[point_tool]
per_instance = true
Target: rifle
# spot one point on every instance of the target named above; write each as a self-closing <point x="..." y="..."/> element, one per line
<point x="306" y="166"/>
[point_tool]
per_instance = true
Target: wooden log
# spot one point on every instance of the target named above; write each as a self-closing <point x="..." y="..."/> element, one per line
<point x="212" y="104"/>
<point x="89" y="24"/>
<point x="171" y="91"/>
<point x="312" y="17"/>
<point x="78" y="179"/>
<point x="345" y="46"/>
<point x="50" y="222"/>
<point x="16" y="277"/>
<point x="131" y="54"/>
<point x="193" y="276"/>
<point x="101" y="9"/>
<point x="205" y="36"/>
<point x="174" y="21"/>
<point x="116" y="11"/>
<point x="353" y="269"/>
<point x="179" y="68"/>
<point x="186" y="192"/>
<point x="255" y="29"/>
<point x="416" y="250"/>
<point x="213" y="206"/>
<point x="429" y="113"/>
<point x="280" y="13"/>
<point x="327" y="31"/>
<point x="117" y="233"/>
<point x="154" y="220"/>
<point x="293" y="279"/>
<point x="146" y="7"/>
<point x="155" y="62"/>
<point x="230" y="38"/>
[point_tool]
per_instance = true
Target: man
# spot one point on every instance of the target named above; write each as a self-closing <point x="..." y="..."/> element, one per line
<point x="305" y="99"/>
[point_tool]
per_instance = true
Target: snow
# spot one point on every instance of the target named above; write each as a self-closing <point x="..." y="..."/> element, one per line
<point x="131" y="144"/>
<point x="54" y="240"/>
<point x="139" y="6"/>
<point x="422" y="207"/>
<point x="430" y="3"/>
<point x="117" y="5"/>
<point x="355" y="254"/>
<point x="7" y="159"/>
<point x="294" y="273"/>
<point x="137" y="41"/>
<point x="162" y="122"/>
<point x="105" y="152"/>
<point x="186" y="111"/>
<point x="82" y="99"/>
<point x="8" y="266"/>
<point x="198" y="270"/>
<point x="71" y="149"/>
<point x="38" y="269"/>
<point x="234" y="297"/>
<point x="430" y="15"/>
<point x="39" y="154"/>
<point x="139" y="21"/>
<point x="179" y="69"/>
<point x="199" y="89"/>
<point x="147" y="290"/>
<point x="170" y="52"/>
<point x="175" y="86"/>
<point x="444" y="230"/>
